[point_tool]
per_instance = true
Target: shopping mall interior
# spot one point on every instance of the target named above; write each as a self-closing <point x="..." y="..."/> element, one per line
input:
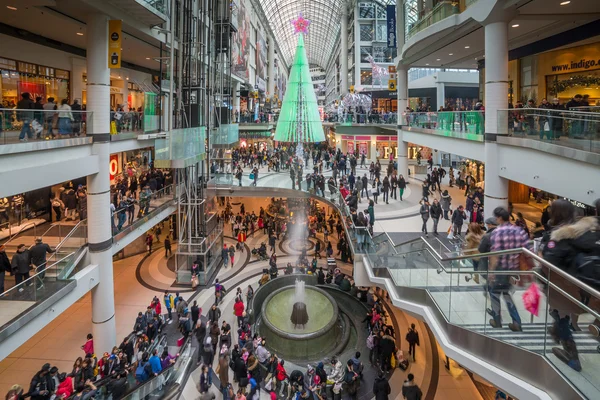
<point x="277" y="199"/>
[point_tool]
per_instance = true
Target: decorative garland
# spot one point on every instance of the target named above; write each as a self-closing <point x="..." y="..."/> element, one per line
<point x="577" y="80"/>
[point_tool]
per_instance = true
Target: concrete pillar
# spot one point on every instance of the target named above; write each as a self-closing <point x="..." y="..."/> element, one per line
<point x="98" y="185"/>
<point x="270" y="68"/>
<point x="402" y="87"/>
<point x="344" y="51"/>
<point x="440" y="95"/>
<point x="496" y="94"/>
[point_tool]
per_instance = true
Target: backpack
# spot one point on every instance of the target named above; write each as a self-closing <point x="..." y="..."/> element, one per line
<point x="207" y="346"/>
<point x="140" y="372"/>
<point x="588" y="269"/>
<point x="370" y="342"/>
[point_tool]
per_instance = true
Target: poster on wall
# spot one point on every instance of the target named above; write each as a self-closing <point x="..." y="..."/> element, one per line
<point x="362" y="148"/>
<point x="240" y="51"/>
<point x="261" y="57"/>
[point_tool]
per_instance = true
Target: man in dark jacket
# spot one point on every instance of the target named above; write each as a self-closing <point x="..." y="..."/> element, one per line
<point x="4" y="267"/>
<point x="38" y="259"/>
<point x="25" y="116"/>
<point x="485" y="245"/>
<point x="412" y="337"/>
<point x="39" y="388"/>
<point x="410" y="390"/>
<point x="20" y="265"/>
<point x="386" y="348"/>
<point x="424" y="215"/>
<point x="381" y="387"/>
<point x="436" y="213"/>
<point x="458" y="217"/>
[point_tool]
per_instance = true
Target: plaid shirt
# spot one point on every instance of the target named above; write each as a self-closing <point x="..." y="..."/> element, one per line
<point x="506" y="237"/>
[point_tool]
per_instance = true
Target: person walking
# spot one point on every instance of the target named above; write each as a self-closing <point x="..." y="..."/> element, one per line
<point x="401" y="186"/>
<point x="410" y="390"/>
<point x="20" y="265"/>
<point x="386" y="190"/>
<point x="4" y="266"/>
<point x="38" y="258"/>
<point x="458" y="218"/>
<point x="412" y="337"/>
<point x="167" y="245"/>
<point x="381" y="387"/>
<point x="505" y="237"/>
<point x="445" y="203"/>
<point x="25" y="116"/>
<point x="436" y="213"/>
<point x="424" y="215"/>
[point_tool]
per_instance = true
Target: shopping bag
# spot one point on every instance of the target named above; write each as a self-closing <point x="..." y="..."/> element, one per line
<point x="531" y="299"/>
<point x="269" y="385"/>
<point x="251" y="176"/>
<point x="180" y="341"/>
<point x="113" y="128"/>
<point x="37" y="128"/>
<point x="546" y="127"/>
<point x="450" y="233"/>
<point x="194" y="282"/>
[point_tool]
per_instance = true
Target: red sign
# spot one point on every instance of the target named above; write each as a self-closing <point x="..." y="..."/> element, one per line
<point x="34" y="89"/>
<point x="383" y="138"/>
<point x="362" y="137"/>
<point x="113" y="166"/>
<point x="347" y="137"/>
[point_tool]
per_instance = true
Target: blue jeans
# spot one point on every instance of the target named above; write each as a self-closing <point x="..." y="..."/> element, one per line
<point x="495" y="291"/>
<point x="26" y="129"/>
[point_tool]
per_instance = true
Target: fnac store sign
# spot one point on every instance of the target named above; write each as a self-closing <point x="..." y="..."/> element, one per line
<point x="113" y="166"/>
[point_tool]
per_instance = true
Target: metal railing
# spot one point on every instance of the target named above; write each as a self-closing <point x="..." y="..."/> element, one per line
<point x="20" y="125"/>
<point x="460" y="124"/>
<point x="390" y="118"/>
<point x="466" y="288"/>
<point x="577" y="128"/>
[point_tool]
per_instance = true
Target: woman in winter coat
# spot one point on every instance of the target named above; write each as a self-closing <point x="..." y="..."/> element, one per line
<point x="570" y="245"/>
<point x="446" y="202"/>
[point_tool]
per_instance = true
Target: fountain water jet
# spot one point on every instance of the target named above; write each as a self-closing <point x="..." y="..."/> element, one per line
<point x="299" y="314"/>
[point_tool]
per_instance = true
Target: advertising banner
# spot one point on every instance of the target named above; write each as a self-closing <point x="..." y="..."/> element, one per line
<point x="114" y="43"/>
<point x="240" y="50"/>
<point x="391" y="27"/>
<point x="261" y="57"/>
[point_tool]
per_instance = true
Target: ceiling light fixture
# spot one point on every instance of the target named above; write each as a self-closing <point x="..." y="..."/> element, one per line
<point x="564" y="3"/>
<point x="451" y="54"/>
<point x="79" y="33"/>
<point x="437" y="59"/>
<point x="12" y="8"/>
<point x="426" y="64"/>
<point x="515" y="25"/>
<point x="147" y="58"/>
<point x="467" y="47"/>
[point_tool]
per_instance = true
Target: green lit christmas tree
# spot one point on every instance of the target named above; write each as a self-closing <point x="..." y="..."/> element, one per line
<point x="299" y="120"/>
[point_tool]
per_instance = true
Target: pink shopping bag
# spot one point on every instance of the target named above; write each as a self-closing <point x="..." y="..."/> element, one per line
<point x="531" y="299"/>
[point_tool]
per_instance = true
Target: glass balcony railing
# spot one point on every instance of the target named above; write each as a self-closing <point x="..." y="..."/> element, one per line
<point x="562" y="328"/>
<point x="573" y="128"/>
<point x="39" y="125"/>
<point x="162" y="6"/>
<point x="468" y="125"/>
<point x="441" y="11"/>
<point x="390" y="118"/>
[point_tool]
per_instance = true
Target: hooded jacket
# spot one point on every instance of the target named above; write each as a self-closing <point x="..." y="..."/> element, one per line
<point x="411" y="391"/>
<point x="381" y="388"/>
<point x="445" y="200"/>
<point x="20" y="262"/>
<point x="567" y="242"/>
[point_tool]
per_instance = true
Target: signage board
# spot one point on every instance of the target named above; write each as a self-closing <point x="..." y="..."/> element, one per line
<point x="114" y="43"/>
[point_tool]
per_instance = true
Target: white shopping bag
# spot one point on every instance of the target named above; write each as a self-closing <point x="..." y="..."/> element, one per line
<point x="36" y="126"/>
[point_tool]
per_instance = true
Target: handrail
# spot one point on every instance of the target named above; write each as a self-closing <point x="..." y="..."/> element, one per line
<point x="68" y="235"/>
<point x="549" y="111"/>
<point x="31" y="278"/>
<point x="11" y="237"/>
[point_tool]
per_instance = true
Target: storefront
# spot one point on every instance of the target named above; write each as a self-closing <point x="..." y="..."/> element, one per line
<point x="260" y="140"/>
<point x="134" y="162"/>
<point x="18" y="77"/>
<point x="561" y="73"/>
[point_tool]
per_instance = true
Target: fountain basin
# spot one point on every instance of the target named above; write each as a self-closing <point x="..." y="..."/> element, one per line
<point x="318" y="336"/>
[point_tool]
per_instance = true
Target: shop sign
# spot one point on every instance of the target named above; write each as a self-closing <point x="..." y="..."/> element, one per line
<point x="347" y="137"/>
<point x="114" y="43"/>
<point x="391" y="26"/>
<point x="113" y="166"/>
<point x="383" y="138"/>
<point x="387" y="150"/>
<point x="362" y="137"/>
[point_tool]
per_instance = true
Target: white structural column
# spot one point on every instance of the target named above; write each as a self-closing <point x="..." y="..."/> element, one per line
<point x="402" y="88"/>
<point x="496" y="95"/>
<point x="271" y="68"/>
<point x="440" y="91"/>
<point x="99" y="226"/>
<point x="344" y="50"/>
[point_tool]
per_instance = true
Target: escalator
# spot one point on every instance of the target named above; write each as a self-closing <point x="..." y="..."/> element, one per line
<point x="424" y="278"/>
